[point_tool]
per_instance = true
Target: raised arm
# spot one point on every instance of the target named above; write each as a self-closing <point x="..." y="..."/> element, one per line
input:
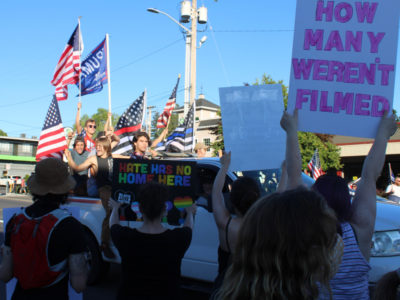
<point x="190" y="212"/>
<point x="114" y="205"/>
<point x="283" y="180"/>
<point x="160" y="137"/>
<point x="78" y="119"/>
<point x="364" y="203"/>
<point x="221" y="214"/>
<point x="107" y="126"/>
<point x="292" y="156"/>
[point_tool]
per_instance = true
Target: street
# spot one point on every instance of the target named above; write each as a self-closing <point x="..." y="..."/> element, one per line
<point x="104" y="290"/>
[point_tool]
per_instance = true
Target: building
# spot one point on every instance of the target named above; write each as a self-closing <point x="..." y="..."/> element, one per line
<point x="17" y="155"/>
<point x="354" y="150"/>
<point x="206" y="119"/>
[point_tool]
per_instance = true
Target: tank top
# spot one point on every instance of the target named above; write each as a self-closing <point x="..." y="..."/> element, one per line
<point x="104" y="172"/>
<point x="351" y="280"/>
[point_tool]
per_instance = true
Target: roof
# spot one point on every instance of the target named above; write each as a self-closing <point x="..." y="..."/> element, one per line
<point x="8" y="138"/>
<point x="209" y="123"/>
<point x="201" y="102"/>
<point x="343" y="140"/>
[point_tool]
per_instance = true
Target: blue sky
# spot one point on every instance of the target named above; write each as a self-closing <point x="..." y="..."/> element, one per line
<point x="245" y="40"/>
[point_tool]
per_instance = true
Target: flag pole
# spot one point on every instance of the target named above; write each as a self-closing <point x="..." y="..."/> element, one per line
<point x="80" y="58"/>
<point x="144" y="108"/>
<point x="194" y="124"/>
<point x="108" y="76"/>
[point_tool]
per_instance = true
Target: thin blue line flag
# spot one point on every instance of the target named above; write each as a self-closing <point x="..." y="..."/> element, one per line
<point x="94" y="70"/>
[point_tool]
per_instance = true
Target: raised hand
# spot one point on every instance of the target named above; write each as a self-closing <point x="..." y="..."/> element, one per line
<point x="113" y="204"/>
<point x="289" y="122"/>
<point x="225" y="159"/>
<point x="387" y="126"/>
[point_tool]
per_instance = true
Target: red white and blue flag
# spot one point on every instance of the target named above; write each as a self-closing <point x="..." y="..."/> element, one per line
<point x="128" y="124"/>
<point x="169" y="107"/>
<point x="68" y="67"/>
<point x="52" y="142"/>
<point x="315" y="165"/>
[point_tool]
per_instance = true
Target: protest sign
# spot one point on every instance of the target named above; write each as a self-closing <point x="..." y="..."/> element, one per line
<point x="251" y="126"/>
<point x="179" y="176"/>
<point x="343" y="65"/>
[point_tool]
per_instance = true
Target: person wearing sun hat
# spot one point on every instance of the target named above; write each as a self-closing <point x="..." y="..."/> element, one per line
<point x="61" y="244"/>
<point x="200" y="149"/>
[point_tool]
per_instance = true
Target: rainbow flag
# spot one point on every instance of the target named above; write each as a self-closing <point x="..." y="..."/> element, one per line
<point x="180" y="203"/>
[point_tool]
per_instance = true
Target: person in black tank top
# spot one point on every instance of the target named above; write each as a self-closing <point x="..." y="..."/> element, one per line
<point x="245" y="192"/>
<point x="101" y="165"/>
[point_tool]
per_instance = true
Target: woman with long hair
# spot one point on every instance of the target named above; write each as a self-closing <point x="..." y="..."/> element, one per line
<point x="286" y="248"/>
<point x="356" y="218"/>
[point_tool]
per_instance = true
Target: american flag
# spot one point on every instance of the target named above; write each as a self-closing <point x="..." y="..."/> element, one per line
<point x="315" y="165"/>
<point x="169" y="107"/>
<point x="68" y="68"/>
<point x="129" y="123"/>
<point x="52" y="140"/>
<point x="181" y="140"/>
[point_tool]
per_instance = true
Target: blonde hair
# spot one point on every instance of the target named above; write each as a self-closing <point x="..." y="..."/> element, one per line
<point x="283" y="250"/>
<point x="105" y="142"/>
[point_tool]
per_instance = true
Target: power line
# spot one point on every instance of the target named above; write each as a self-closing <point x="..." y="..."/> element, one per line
<point x="26" y="101"/>
<point x="252" y="30"/>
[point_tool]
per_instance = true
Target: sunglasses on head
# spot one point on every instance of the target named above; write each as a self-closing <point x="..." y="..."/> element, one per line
<point x="92" y="126"/>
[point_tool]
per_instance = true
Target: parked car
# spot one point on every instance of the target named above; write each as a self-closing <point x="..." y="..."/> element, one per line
<point x="200" y="262"/>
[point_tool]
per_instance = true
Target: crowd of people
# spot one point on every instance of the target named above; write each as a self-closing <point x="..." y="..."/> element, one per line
<point x="295" y="243"/>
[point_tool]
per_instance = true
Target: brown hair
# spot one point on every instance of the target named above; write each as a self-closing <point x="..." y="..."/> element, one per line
<point x="152" y="198"/>
<point x="89" y="121"/>
<point x="105" y="142"/>
<point x="137" y="136"/>
<point x="283" y="249"/>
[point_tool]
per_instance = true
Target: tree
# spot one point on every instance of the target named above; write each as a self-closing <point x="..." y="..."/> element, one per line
<point x="219" y="140"/>
<point x="100" y="117"/>
<point x="2" y="133"/>
<point x="173" y="123"/>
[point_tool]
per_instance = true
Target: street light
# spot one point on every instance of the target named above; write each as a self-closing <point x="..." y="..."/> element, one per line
<point x="190" y="55"/>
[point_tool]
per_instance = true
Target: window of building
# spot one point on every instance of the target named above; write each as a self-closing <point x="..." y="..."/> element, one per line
<point x="25" y="149"/>
<point x="207" y="142"/>
<point x="6" y="148"/>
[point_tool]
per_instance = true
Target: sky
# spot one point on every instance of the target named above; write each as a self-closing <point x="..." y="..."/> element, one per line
<point x="245" y="39"/>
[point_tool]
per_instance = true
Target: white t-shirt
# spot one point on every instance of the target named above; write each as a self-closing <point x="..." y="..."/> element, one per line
<point x="396" y="192"/>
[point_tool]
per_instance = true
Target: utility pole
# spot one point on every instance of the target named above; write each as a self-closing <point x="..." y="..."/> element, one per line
<point x="193" y="48"/>
<point x="148" y="125"/>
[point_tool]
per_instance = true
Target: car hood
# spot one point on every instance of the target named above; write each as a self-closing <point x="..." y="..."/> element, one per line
<point x="387" y="216"/>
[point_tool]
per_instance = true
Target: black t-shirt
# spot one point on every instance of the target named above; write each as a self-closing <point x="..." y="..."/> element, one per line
<point x="67" y="238"/>
<point x="151" y="263"/>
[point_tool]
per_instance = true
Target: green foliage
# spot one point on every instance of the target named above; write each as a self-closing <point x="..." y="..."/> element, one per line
<point x="2" y="133"/>
<point x="219" y="141"/>
<point x="100" y="117"/>
<point x="266" y="79"/>
<point x="173" y="123"/>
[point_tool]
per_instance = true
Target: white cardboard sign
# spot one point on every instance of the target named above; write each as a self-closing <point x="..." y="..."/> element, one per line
<point x="251" y="126"/>
<point x="343" y="65"/>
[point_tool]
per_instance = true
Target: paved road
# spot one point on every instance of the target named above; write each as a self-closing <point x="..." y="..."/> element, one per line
<point x="104" y="290"/>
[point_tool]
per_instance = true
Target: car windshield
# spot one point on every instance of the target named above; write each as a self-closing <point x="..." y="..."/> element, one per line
<point x="267" y="179"/>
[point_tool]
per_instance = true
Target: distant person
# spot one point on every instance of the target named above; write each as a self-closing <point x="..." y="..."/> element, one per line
<point x="356" y="217"/>
<point x="151" y="254"/>
<point x="393" y="190"/>
<point x="200" y="149"/>
<point x="22" y="190"/>
<point x="88" y="131"/>
<point x="44" y="245"/>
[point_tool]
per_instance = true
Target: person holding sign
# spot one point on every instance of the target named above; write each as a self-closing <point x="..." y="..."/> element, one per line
<point x="151" y="254"/>
<point x="244" y="193"/>
<point x="140" y="143"/>
<point x="357" y="217"/>
<point x="287" y="245"/>
<point x="101" y="165"/>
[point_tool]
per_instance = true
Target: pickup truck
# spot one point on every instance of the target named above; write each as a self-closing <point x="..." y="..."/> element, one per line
<point x="200" y="261"/>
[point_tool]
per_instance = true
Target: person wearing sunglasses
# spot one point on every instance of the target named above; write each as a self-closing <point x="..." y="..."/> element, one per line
<point x="88" y="131"/>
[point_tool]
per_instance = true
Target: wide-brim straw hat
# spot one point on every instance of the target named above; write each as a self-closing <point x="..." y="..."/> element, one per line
<point x="51" y="177"/>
